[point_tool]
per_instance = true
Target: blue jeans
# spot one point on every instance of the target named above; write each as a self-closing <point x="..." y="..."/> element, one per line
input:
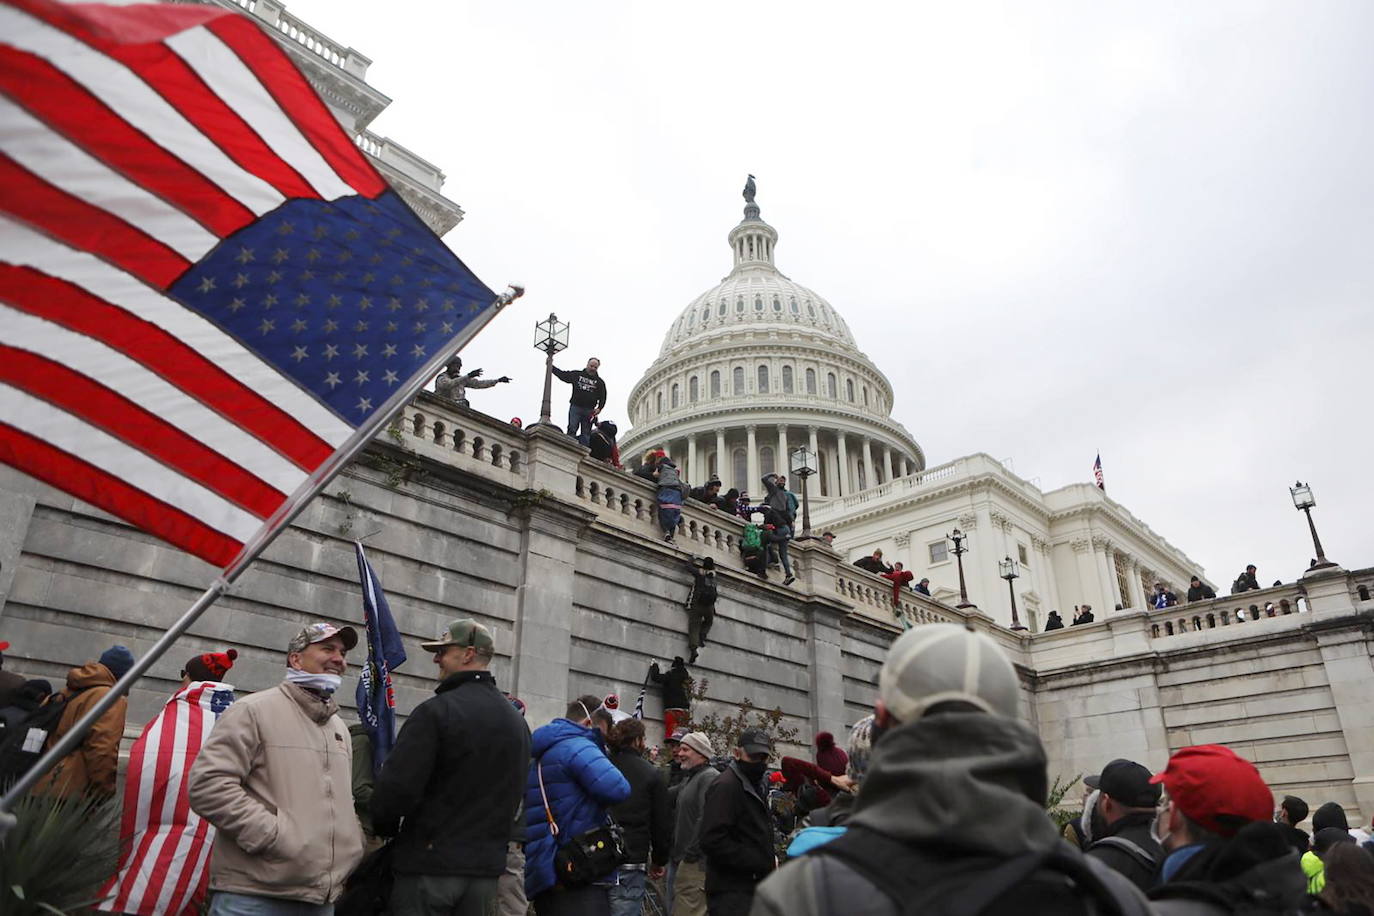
<point x="224" y="903"/>
<point x="668" y="885"/>
<point x="780" y="550"/>
<point x="627" y="897"/>
<point x="580" y="423"/>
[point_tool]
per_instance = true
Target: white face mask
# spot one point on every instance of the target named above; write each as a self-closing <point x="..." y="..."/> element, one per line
<point x="1160" y="838"/>
<point x="324" y="683"/>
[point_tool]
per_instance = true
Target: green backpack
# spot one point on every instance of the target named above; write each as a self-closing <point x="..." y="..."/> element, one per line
<point x="753" y="537"/>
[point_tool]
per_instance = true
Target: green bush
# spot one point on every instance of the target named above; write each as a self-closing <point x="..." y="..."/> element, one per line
<point x="59" y="854"/>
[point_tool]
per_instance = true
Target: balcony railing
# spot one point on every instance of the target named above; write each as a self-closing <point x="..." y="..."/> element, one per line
<point x="1255" y="607"/>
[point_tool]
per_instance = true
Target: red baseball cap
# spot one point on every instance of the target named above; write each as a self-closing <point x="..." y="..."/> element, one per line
<point x="1217" y="788"/>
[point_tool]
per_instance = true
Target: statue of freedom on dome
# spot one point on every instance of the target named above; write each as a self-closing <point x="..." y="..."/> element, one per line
<point x="749" y="190"/>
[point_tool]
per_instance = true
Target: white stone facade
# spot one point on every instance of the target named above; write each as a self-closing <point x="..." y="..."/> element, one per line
<point x="759" y="365"/>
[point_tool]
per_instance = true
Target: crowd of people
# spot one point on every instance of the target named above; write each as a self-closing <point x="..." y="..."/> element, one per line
<point x="938" y="804"/>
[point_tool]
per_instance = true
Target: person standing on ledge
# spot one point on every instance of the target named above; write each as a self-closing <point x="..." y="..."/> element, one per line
<point x="588" y="397"/>
<point x="453" y="384"/>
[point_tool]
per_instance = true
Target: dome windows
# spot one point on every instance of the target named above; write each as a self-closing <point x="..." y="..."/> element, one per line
<point x="674" y="399"/>
<point x="738" y="380"/>
<point x="763" y="379"/>
<point x="830" y="386"/>
<point x="865" y="395"/>
<point x="706" y="314"/>
<point x="739" y="306"/>
<point x="810" y="309"/>
<point x="658" y="402"/>
<point x="723" y="308"/>
<point x="777" y="304"/>
<point x="693" y="389"/>
<point x="793" y="304"/>
<point x="758" y="303"/>
<point x="787" y="380"/>
<point x="810" y="381"/>
<point x="849" y="389"/>
<point x="715" y="383"/>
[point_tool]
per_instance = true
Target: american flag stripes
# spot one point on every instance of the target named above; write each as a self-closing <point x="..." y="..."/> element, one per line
<point x="165" y="846"/>
<point x="1097" y="472"/>
<point x="208" y="291"/>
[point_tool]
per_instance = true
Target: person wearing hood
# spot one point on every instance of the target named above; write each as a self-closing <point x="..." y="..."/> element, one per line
<point x="671" y="492"/>
<point x="150" y="881"/>
<point x="737" y="827"/>
<point x="1328" y="822"/>
<point x="1291" y="812"/>
<point x="1223" y="853"/>
<point x="1053" y="621"/>
<point x="677" y="693"/>
<point x="23" y="701"/>
<point x="275" y="781"/>
<point x="1198" y="591"/>
<point x="1126" y="801"/>
<point x="92" y="765"/>
<point x="953" y="804"/>
<point x="602" y="443"/>
<point x="571" y="783"/>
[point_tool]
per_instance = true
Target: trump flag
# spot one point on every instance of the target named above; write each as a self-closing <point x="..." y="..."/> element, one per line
<point x="385" y="652"/>
<point x="210" y="296"/>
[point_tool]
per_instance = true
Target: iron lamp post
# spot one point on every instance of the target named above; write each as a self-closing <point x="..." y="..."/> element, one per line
<point x="1008" y="570"/>
<point x="958" y="537"/>
<point x="1305" y="501"/>
<point x="803" y="466"/>
<point x="551" y="336"/>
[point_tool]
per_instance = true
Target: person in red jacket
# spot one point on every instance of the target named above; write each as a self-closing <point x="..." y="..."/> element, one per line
<point x="898" y="577"/>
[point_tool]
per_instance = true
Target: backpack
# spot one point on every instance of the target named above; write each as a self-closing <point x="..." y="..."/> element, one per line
<point x="753" y="538"/>
<point x="1134" y="850"/>
<point x="918" y="882"/>
<point x="23" y="744"/>
<point x="705" y="592"/>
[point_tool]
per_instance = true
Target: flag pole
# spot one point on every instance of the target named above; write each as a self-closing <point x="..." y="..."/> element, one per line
<point x="274" y="525"/>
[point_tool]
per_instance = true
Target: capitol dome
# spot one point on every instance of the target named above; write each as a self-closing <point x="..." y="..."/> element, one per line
<point x="759" y="365"/>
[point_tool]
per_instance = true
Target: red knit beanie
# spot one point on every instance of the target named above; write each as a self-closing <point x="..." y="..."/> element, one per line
<point x="211" y="666"/>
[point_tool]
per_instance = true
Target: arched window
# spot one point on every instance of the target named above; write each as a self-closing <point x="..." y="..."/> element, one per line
<point x="758" y="303"/>
<point x="863" y="480"/>
<point x="787" y="379"/>
<point x="793" y="304"/>
<point x="715" y="383"/>
<point x="739" y="467"/>
<point x="739" y="305"/>
<point x="810" y="310"/>
<point x="706" y="314"/>
<point x="721" y="310"/>
<point x="810" y="381"/>
<point x="849" y="389"/>
<point x="865" y="395"/>
<point x="739" y="380"/>
<point x="766" y="461"/>
<point x="658" y="405"/>
<point x="674" y="399"/>
<point x="777" y="304"/>
<point x="763" y="379"/>
<point x="830" y="386"/>
<point x="693" y="389"/>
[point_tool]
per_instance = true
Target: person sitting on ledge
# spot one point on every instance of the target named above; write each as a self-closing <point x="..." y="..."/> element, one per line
<point x="874" y="563"/>
<point x="1197" y="591"/>
<point x="709" y="494"/>
<point x="922" y="587"/>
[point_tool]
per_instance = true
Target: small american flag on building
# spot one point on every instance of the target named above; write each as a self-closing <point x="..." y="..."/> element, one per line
<point x="1097" y="472"/>
<point x="209" y="294"/>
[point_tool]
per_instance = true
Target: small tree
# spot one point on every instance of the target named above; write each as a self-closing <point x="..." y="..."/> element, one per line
<point x="1058" y="812"/>
<point x="724" y="730"/>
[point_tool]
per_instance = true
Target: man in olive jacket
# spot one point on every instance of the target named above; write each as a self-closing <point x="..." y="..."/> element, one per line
<point x="451" y="786"/>
<point x="275" y="780"/>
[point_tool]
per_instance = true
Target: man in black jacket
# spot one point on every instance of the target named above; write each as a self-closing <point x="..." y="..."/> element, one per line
<point x="451" y="786"/>
<point x="1292" y="811"/>
<point x="737" y="829"/>
<point x="644" y="818"/>
<point x="1197" y="591"/>
<point x="588" y="397"/>
<point x="1126" y="800"/>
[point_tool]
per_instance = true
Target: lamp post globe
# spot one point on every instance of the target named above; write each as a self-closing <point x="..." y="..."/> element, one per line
<point x="1008" y="570"/>
<point x="1304" y="502"/>
<point x="803" y="464"/>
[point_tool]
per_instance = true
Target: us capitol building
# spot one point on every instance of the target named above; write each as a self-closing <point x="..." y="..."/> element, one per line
<point x="759" y="365"/>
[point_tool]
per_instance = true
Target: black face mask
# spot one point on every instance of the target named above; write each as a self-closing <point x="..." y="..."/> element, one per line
<point x="875" y="733"/>
<point x="753" y="771"/>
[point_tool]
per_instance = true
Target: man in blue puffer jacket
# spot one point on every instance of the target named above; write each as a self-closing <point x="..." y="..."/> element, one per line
<point x="581" y="783"/>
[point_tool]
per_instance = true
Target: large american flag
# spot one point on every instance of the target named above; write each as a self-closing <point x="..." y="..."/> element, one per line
<point x="164" y="845"/>
<point x="208" y="293"/>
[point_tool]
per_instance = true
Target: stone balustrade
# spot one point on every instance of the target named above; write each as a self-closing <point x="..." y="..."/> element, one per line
<point x="311" y="39"/>
<point x="1254" y="606"/>
<point x="871" y="595"/>
<point x="441" y="430"/>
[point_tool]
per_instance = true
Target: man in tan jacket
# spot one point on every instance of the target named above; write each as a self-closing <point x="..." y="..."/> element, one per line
<point x="91" y="768"/>
<point x="275" y="780"/>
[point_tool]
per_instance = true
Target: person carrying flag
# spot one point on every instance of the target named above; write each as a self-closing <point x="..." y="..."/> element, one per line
<point x="450" y="788"/>
<point x="164" y="845"/>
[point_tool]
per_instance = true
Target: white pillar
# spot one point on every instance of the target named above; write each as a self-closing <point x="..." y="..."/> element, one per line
<point x="887" y="463"/>
<point x="811" y="432"/>
<point x="901" y="466"/>
<point x="1102" y="548"/>
<point x="722" y="459"/>
<point x="1139" y="602"/>
<point x="783" y="465"/>
<point x="751" y="457"/>
<point x="844" y="486"/>
<point x="1047" y="563"/>
<point x="692" y="473"/>
<point x="870" y="479"/>
<point x="1088" y="590"/>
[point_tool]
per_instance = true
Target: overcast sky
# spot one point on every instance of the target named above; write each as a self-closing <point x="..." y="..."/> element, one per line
<point x="1143" y="229"/>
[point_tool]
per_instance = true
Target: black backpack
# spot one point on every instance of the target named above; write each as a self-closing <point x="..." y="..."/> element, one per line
<point x="918" y="882"/>
<point x="22" y="744"/>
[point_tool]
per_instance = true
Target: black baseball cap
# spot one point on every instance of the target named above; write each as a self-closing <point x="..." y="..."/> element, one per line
<point x="755" y="741"/>
<point x="1127" y="782"/>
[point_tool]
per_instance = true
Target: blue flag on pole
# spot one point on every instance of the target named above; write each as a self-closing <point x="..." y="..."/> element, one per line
<point x="385" y="652"/>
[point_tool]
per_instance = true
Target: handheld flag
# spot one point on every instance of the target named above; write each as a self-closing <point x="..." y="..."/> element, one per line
<point x="164" y="845"/>
<point x="1097" y="472"/>
<point x="643" y="688"/>
<point x="209" y="292"/>
<point x="385" y="652"/>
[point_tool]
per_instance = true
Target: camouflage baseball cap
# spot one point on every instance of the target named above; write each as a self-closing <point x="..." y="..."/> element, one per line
<point x="319" y="632"/>
<point x="465" y="632"/>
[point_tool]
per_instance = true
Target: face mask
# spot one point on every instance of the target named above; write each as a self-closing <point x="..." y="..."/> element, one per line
<point x="324" y="683"/>
<point x="1155" y="833"/>
<point x="754" y="770"/>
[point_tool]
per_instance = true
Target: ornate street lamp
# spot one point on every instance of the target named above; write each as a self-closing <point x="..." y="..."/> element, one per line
<point x="1304" y="500"/>
<point x="958" y="537"/>
<point x="803" y="466"/>
<point x="550" y="336"/>
<point x="1008" y="570"/>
